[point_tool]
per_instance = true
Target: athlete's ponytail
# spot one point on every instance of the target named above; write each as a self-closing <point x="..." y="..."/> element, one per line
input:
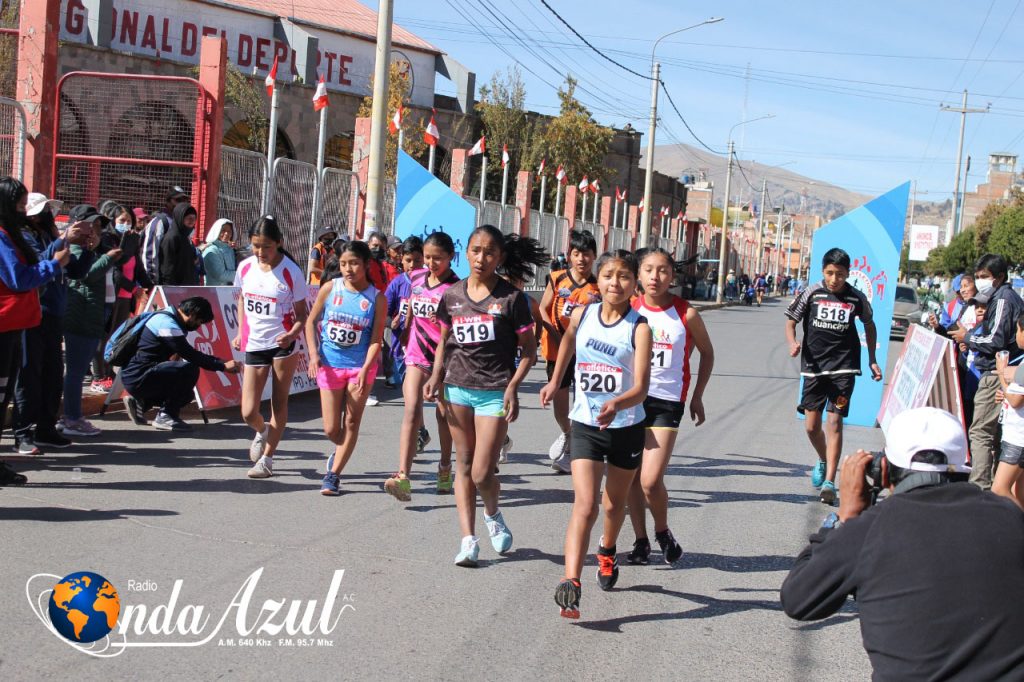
<point x="267" y="227"/>
<point x="522" y="254"/>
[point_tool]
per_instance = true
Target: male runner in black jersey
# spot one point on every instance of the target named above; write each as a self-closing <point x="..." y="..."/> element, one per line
<point x="830" y="359"/>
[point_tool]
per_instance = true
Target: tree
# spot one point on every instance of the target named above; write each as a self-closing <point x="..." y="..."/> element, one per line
<point x="398" y="96"/>
<point x="936" y="263"/>
<point x="1007" y="237"/>
<point x="502" y="110"/>
<point x="961" y="253"/>
<point x="986" y="221"/>
<point x="908" y="266"/>
<point x="242" y="92"/>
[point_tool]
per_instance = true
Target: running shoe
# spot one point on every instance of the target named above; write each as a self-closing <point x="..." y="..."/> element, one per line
<point x="559" y="447"/>
<point x="827" y="494"/>
<point x="27" y="446"/>
<point x="501" y="536"/>
<point x="136" y="412"/>
<point x="264" y="468"/>
<point x="563" y="464"/>
<point x="9" y="476"/>
<point x="259" y="441"/>
<point x="505" y="448"/>
<point x="670" y="549"/>
<point x="82" y="428"/>
<point x="818" y="474"/>
<point x="399" y="487"/>
<point x="372" y="401"/>
<point x="165" y="422"/>
<point x="101" y="386"/>
<point x="422" y="440"/>
<point x="51" y="439"/>
<point x="444" y="481"/>
<point x="567" y="596"/>
<point x="607" y="568"/>
<point x="329" y="486"/>
<point x="641" y="554"/>
<point x="469" y="554"/>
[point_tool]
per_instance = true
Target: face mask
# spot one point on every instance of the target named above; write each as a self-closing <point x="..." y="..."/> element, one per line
<point x="378" y="254"/>
<point x="984" y="284"/>
<point x="122" y="227"/>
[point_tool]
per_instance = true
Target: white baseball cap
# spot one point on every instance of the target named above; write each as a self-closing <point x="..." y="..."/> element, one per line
<point x="37" y="203"/>
<point x="927" y="428"/>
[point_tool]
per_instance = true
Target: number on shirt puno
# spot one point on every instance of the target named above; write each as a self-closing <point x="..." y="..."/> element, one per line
<point x="599" y="378"/>
<point x="403" y="308"/>
<point x="568" y="308"/>
<point x="473" y="329"/>
<point x="833" y="311"/>
<point x="423" y="307"/>
<point x="342" y="334"/>
<point x="661" y="355"/>
<point x="260" y="306"/>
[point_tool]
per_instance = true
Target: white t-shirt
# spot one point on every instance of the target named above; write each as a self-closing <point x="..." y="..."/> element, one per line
<point x="1013" y="419"/>
<point x="268" y="299"/>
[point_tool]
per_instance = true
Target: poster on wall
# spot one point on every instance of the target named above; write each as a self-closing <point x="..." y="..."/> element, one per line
<point x="923" y="238"/>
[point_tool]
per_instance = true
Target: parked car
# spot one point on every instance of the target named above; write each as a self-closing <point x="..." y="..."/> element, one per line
<point x="907" y="311"/>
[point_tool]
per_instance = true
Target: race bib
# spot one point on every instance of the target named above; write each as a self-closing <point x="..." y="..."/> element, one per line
<point x="568" y="307"/>
<point x="343" y="333"/>
<point x="473" y="329"/>
<point x="833" y="311"/>
<point x="661" y="355"/>
<point x="403" y="309"/>
<point x="595" y="377"/>
<point x="423" y="307"/>
<point x="260" y="306"/>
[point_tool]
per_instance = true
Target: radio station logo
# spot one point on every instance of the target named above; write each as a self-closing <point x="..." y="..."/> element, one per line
<point x="84" y="607"/>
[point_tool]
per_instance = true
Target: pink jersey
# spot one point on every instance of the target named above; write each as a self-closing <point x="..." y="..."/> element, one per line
<point x="424" y="330"/>
<point x="268" y="299"/>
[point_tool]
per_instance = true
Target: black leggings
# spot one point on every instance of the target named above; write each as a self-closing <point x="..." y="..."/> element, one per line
<point x="10" y="363"/>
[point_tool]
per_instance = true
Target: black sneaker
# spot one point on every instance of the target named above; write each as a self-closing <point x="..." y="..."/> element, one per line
<point x="607" y="568"/>
<point x="9" y="476"/>
<point x="670" y="549"/>
<point x="165" y="422"/>
<point x="567" y="596"/>
<point x="52" y="439"/>
<point x="641" y="554"/>
<point x="135" y="411"/>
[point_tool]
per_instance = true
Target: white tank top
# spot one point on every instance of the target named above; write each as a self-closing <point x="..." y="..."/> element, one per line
<point x="604" y="366"/>
<point x="670" y="352"/>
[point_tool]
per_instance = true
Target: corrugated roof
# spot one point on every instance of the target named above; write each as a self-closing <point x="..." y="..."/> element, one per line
<point x="349" y="16"/>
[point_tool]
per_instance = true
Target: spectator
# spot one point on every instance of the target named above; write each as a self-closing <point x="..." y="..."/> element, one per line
<point x="21" y="274"/>
<point x="377" y="274"/>
<point x="129" y="275"/>
<point x="158" y="226"/>
<point x="141" y="217"/>
<point x="935" y="568"/>
<point x="219" y="254"/>
<point x="152" y="379"/>
<point x="997" y="333"/>
<point x="41" y="379"/>
<point x="393" y="263"/>
<point x="84" y="327"/>
<point x="177" y="254"/>
<point x="321" y="253"/>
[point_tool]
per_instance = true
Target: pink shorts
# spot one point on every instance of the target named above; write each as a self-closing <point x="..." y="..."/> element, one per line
<point x="334" y="378"/>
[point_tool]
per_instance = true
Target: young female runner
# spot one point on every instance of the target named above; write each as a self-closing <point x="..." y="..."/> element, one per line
<point x="423" y="331"/>
<point x="345" y="330"/>
<point x="483" y="319"/>
<point x="271" y="315"/>
<point x="676" y="329"/>
<point x="612" y="343"/>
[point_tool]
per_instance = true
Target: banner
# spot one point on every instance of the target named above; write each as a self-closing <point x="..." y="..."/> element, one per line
<point x="924" y="375"/>
<point x="923" y="238"/>
<point x="424" y="205"/>
<point x="873" y="236"/>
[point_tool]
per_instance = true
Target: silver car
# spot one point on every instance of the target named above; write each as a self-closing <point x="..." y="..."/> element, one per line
<point x="905" y="312"/>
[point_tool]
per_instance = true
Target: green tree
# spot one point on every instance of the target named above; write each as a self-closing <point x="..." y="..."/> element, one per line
<point x="412" y="127"/>
<point x="9" y="14"/>
<point x="502" y="110"/>
<point x="1007" y="237"/>
<point x="936" y="263"/>
<point x="960" y="254"/>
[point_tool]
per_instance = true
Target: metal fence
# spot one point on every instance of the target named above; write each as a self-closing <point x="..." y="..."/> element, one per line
<point x="292" y="203"/>
<point x="386" y="216"/>
<point x="340" y="192"/>
<point x="550" y="231"/>
<point x="243" y="175"/>
<point x="12" y="138"/>
<point x="619" y="239"/>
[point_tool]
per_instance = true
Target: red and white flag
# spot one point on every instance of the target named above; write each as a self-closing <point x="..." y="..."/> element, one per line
<point x="665" y="210"/>
<point x="619" y="196"/>
<point x="396" y="121"/>
<point x="504" y="155"/>
<point x="480" y="147"/>
<point x="680" y="215"/>
<point x="640" y="206"/>
<point x="271" y="77"/>
<point x="584" y="185"/>
<point x="432" y="135"/>
<point x="595" y="188"/>
<point x="543" y="163"/>
<point x="560" y="174"/>
<point x="320" y="96"/>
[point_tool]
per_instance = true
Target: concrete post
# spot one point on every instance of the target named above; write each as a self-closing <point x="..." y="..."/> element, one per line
<point x="569" y="210"/>
<point x="38" y="31"/>
<point x="606" y="222"/>
<point x="460" y="171"/>
<point x="524" y="200"/>
<point x="213" y="59"/>
<point x="361" y="165"/>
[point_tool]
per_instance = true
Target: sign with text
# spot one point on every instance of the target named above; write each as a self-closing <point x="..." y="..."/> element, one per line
<point x="923" y="238"/>
<point x="925" y="375"/>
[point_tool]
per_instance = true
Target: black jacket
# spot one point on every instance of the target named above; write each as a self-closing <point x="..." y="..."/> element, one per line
<point x="163" y="338"/>
<point x="938" y="575"/>
<point x="177" y="255"/>
<point x="999" y="328"/>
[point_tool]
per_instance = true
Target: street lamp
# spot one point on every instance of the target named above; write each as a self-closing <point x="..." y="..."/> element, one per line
<point x="645" y="218"/>
<point x="723" y="251"/>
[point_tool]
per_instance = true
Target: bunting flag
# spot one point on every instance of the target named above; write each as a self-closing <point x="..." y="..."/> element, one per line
<point x="664" y="211"/>
<point x="595" y="188"/>
<point x="619" y="196"/>
<point x="396" y="121"/>
<point x="480" y="147"/>
<point x="504" y="155"/>
<point x="681" y="215"/>
<point x="543" y="163"/>
<point x="432" y="135"/>
<point x="584" y="184"/>
<point x="320" y="96"/>
<point x="560" y="174"/>
<point x="640" y="206"/>
<point x="271" y="77"/>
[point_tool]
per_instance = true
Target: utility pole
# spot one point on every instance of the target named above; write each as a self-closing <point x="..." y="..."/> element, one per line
<point x="963" y="111"/>
<point x="760" y="226"/>
<point x="723" y="247"/>
<point x="645" y="217"/>
<point x="378" y="124"/>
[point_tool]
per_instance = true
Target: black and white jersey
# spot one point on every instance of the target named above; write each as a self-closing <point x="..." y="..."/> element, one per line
<point x="831" y="344"/>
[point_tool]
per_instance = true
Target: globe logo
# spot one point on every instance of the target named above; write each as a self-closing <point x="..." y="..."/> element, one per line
<point x="84" y="607"/>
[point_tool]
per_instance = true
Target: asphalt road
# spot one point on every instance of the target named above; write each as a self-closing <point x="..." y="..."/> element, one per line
<point x="147" y="510"/>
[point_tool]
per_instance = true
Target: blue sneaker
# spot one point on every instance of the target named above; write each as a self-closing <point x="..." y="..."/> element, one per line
<point x="828" y="493"/>
<point x="818" y="474"/>
<point x="330" y="485"/>
<point x="501" y="536"/>
<point x="469" y="555"/>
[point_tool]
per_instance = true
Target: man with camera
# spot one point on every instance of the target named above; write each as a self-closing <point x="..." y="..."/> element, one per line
<point x="937" y="569"/>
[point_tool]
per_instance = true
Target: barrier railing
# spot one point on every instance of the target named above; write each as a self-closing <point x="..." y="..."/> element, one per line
<point x="619" y="239"/>
<point x="340" y="191"/>
<point x="12" y="138"/>
<point x="292" y="203"/>
<point x="242" y="177"/>
<point x="551" y="232"/>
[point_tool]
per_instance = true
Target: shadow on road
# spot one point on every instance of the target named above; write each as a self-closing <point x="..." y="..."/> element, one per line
<point x="62" y="514"/>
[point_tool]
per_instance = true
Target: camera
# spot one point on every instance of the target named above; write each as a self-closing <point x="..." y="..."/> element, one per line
<point x="873" y="474"/>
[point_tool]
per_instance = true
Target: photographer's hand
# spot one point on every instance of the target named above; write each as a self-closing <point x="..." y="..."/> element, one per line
<point x="854" y="495"/>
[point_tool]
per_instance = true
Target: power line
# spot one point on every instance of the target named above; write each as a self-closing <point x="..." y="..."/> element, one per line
<point x="682" y="118"/>
<point x="587" y="43"/>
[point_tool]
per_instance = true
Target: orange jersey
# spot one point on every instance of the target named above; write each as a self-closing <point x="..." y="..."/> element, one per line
<point x="568" y="296"/>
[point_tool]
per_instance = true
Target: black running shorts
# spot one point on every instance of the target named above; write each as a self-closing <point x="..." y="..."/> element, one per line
<point x="567" y="378"/>
<point x="663" y="414"/>
<point x="830" y="393"/>
<point x="621" y="448"/>
<point x="265" y="358"/>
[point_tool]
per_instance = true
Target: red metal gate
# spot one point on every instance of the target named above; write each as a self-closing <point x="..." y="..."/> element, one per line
<point x="130" y="138"/>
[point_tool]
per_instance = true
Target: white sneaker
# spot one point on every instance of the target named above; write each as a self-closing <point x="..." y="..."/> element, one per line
<point x="505" y="448"/>
<point x="558" y="448"/>
<point x="264" y="468"/>
<point x="259" y="441"/>
<point x="372" y="401"/>
<point x="81" y="428"/>
<point x="563" y="464"/>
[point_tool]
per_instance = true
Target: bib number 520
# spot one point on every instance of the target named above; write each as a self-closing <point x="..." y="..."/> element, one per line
<point x="600" y="382"/>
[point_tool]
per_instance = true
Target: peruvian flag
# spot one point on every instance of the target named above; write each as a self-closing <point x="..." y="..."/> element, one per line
<point x="584" y="184"/>
<point x="680" y="215"/>
<point x="619" y="196"/>
<point x="594" y="187"/>
<point x="271" y="77"/>
<point x="480" y="147"/>
<point x="560" y="174"/>
<point x="504" y="155"/>
<point x="432" y="135"/>
<point x="320" y="96"/>
<point x="640" y="206"/>
<point x="543" y="163"/>
<point x="665" y="210"/>
<point x="396" y="121"/>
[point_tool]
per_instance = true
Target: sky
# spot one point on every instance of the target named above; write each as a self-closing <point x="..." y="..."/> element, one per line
<point x="854" y="88"/>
